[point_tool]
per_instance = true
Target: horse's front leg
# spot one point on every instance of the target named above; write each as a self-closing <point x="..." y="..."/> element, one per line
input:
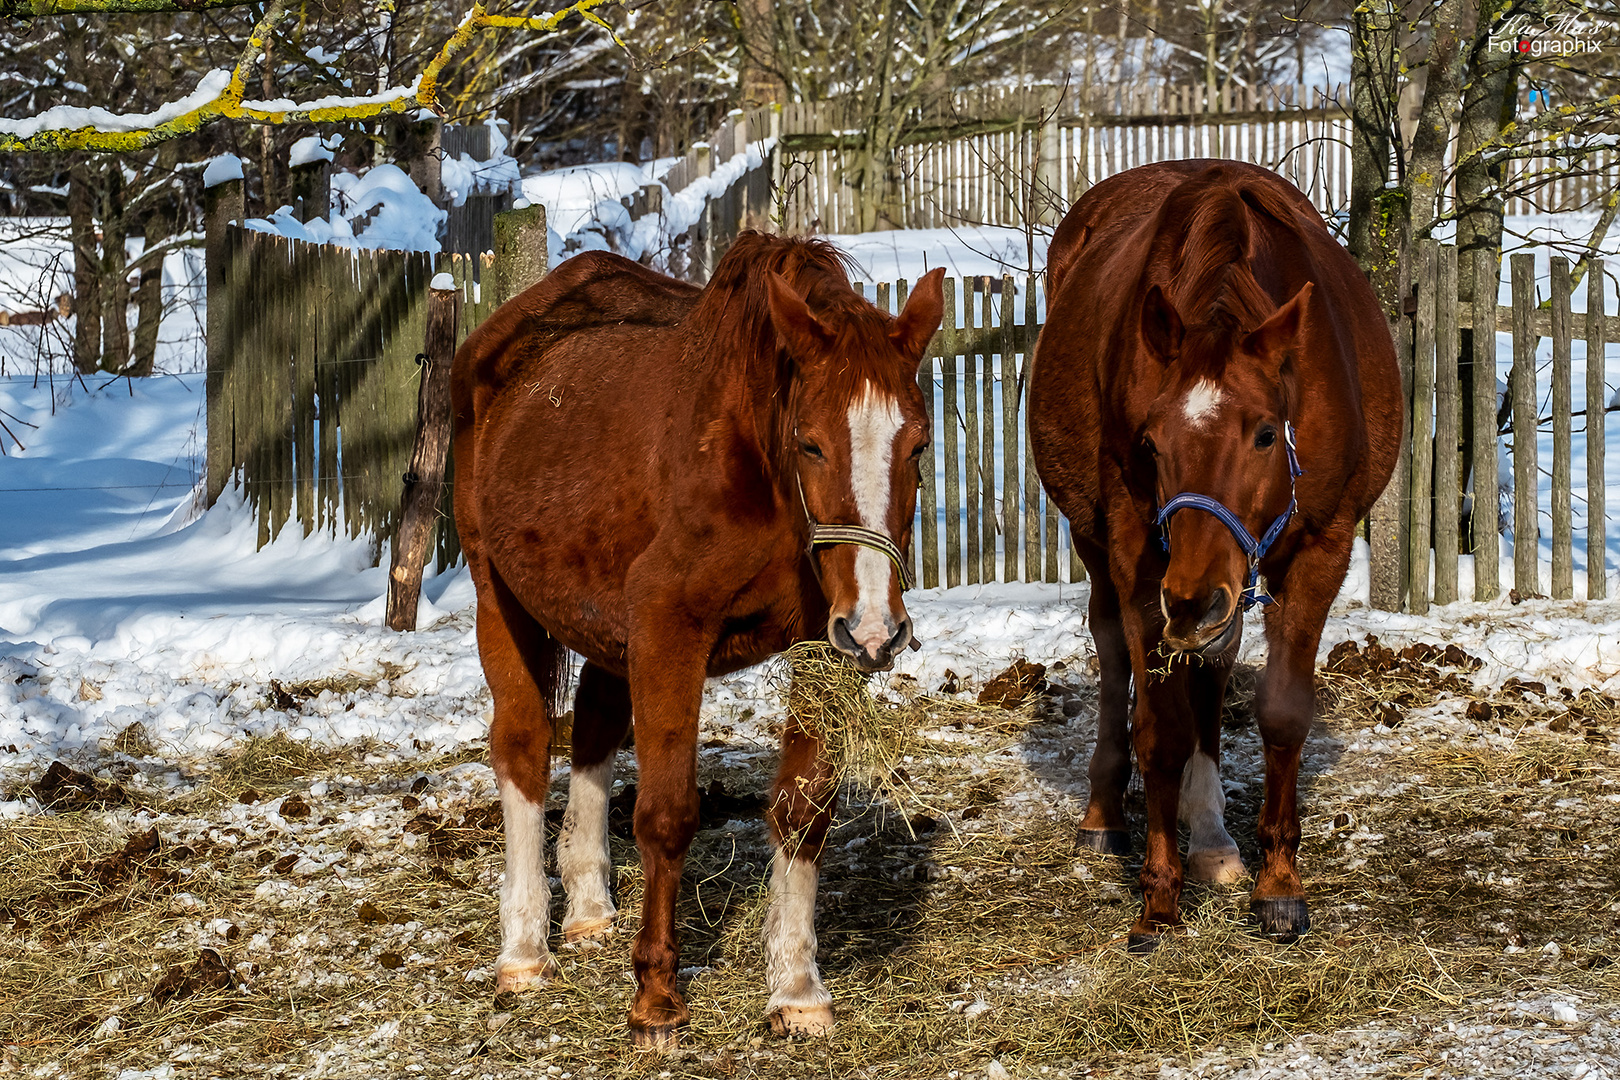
<point x="668" y="662"/>
<point x="1164" y="734"/>
<point x="801" y="810"/>
<point x="1283" y="710"/>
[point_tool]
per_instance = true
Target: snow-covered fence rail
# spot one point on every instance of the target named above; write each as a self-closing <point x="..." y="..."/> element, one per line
<point x="719" y="188"/>
<point x="312" y="378"/>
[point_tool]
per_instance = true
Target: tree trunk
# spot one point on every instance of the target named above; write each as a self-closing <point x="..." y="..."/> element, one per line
<point x="149" y="297"/>
<point x="82" y="185"/>
<point x="114" y="275"/>
<point x="760" y="83"/>
<point x="1489" y="102"/>
<point x="1377" y="219"/>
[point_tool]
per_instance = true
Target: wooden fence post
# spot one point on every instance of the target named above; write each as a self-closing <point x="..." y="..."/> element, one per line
<point x="420" y="503"/>
<point x="520" y="250"/>
<point x="223" y="203"/>
<point x="1422" y="431"/>
<point x="1487" y="481"/>
<point x="1597" y="399"/>
<point x="1522" y="383"/>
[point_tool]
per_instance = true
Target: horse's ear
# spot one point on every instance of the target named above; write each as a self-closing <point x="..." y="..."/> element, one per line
<point x="1161" y="326"/>
<point x="915" y="327"/>
<point x="796" y="328"/>
<point x="1277" y="337"/>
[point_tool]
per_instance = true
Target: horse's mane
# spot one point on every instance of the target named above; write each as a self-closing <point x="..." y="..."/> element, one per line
<point x="734" y="312"/>
<point x="1214" y="287"/>
<point x="732" y="324"/>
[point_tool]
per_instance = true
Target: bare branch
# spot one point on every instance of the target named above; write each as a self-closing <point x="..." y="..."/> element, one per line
<point x="33" y="9"/>
<point x="24" y="135"/>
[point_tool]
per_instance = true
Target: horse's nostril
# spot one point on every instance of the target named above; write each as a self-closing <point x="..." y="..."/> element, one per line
<point x="1219" y="610"/>
<point x="841" y="637"/>
<point x="901" y="638"/>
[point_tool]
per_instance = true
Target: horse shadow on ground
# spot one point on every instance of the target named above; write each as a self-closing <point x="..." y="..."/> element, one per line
<point x="874" y="875"/>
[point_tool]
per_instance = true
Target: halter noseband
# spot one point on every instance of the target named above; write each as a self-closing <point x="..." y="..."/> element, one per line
<point x="859" y="535"/>
<point x="1254" y="550"/>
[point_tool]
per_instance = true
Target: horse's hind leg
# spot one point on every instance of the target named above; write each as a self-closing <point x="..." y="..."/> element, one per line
<point x="1212" y="855"/>
<point x="522" y="665"/>
<point x="1104" y="827"/>
<point x="800" y="815"/>
<point x="601" y="717"/>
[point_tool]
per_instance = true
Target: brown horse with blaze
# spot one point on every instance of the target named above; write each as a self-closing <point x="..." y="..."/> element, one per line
<point x="1213" y="399"/>
<point x="676" y="484"/>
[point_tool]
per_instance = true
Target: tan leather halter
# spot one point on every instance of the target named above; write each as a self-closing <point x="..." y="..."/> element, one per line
<point x="859" y="535"/>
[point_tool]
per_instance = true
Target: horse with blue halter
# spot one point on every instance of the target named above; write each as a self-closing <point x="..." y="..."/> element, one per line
<point x="1214" y="404"/>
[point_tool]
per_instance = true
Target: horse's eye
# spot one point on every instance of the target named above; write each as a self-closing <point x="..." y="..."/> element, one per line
<point x="1266" y="437"/>
<point x="810" y="449"/>
<point x="1148" y="446"/>
<point x="917" y="453"/>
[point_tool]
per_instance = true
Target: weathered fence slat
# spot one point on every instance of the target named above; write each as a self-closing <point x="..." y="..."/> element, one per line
<point x="328" y="288"/>
<point x="970" y="431"/>
<point x="303" y="404"/>
<point x="1597" y="397"/>
<point x="1011" y="459"/>
<point x="1563" y="569"/>
<point x="1418" y="533"/>
<point x="1486" y="543"/>
<point x="987" y="459"/>
<point x="1031" y="484"/>
<point x="1526" y="527"/>
<point x="948" y="428"/>
<point x="1448" y="462"/>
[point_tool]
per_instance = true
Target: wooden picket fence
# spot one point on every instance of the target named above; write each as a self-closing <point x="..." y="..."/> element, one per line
<point x="313" y="393"/>
<point x="312" y="380"/>
<point x="1440" y="460"/>
<point x="1019" y="156"/>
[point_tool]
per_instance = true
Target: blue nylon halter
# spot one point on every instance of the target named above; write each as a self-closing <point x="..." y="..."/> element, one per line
<point x="1254" y="550"/>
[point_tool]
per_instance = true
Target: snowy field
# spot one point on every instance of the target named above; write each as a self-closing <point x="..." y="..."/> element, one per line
<point x="271" y="844"/>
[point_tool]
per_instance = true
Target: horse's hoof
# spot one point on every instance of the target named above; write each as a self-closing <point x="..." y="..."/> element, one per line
<point x="813" y="1022"/>
<point x="515" y="976"/>
<point x="1106" y="841"/>
<point x="1223" y="866"/>
<point x="585" y="930"/>
<point x="1281" y="918"/>
<point x="1141" y="944"/>
<point x="657" y="1037"/>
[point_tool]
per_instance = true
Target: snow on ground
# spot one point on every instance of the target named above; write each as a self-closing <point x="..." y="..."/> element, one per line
<point x="125" y="604"/>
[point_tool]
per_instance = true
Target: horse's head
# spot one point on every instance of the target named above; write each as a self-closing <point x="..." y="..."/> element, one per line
<point x="858" y="430"/>
<point x="1219" y="438"/>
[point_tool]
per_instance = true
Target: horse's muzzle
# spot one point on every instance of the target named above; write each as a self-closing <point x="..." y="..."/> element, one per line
<point x="867" y="658"/>
<point x="1208" y="632"/>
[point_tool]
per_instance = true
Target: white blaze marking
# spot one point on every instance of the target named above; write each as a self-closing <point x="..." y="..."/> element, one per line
<point x="1202" y="401"/>
<point x="790" y="936"/>
<point x="874" y="422"/>
<point x="583" y="861"/>
<point x="525" y="893"/>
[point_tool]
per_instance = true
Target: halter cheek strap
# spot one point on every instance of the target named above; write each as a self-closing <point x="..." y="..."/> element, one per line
<point x="859" y="535"/>
<point x="1253" y="550"/>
